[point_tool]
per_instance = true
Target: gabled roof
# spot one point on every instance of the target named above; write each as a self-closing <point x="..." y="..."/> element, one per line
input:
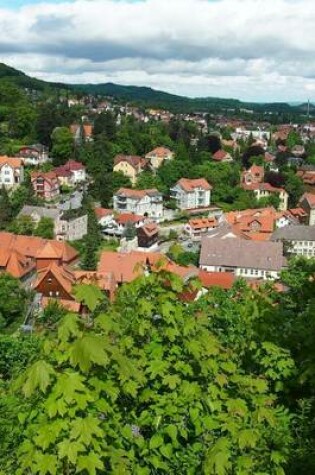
<point x="221" y="155"/>
<point x="190" y="185"/>
<point x="47" y="176"/>
<point x="309" y="198"/>
<point x="15" y="263"/>
<point x="263" y="255"/>
<point x="103" y="212"/>
<point x="255" y="170"/>
<point x="150" y="229"/>
<point x="63" y="275"/>
<point x="70" y="166"/>
<point x="262" y="187"/>
<point x="125" y="218"/>
<point x="33" y="246"/>
<point x="11" y="161"/>
<point x="135" y="161"/>
<point x="161" y="152"/>
<point x="137" y="194"/>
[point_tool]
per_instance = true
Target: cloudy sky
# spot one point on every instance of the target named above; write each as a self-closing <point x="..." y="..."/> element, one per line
<point x="261" y="50"/>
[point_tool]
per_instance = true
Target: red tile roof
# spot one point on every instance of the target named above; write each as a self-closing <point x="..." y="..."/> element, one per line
<point x="138" y="194"/>
<point x="225" y="280"/>
<point x="128" y="266"/>
<point x="125" y="218"/>
<point x="35" y="247"/>
<point x="190" y="185"/>
<point x="220" y="155"/>
<point x="161" y="152"/>
<point x="12" y="161"/>
<point x="102" y="212"/>
<point x="203" y="223"/>
<point x="135" y="161"/>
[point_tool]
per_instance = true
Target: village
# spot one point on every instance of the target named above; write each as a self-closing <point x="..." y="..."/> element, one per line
<point x="182" y="229"/>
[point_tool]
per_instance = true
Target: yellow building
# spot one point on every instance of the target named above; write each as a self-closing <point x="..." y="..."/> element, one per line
<point x="130" y="165"/>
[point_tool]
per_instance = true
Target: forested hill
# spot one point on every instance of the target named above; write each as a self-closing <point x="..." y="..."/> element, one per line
<point x="146" y="96"/>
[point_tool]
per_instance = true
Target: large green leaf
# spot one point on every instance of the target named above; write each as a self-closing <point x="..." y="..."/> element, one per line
<point x="89" y="295"/>
<point x="38" y="377"/>
<point x="90" y="463"/>
<point x="89" y="350"/>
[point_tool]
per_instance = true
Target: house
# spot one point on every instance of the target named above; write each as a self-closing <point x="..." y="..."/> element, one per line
<point x="42" y="252"/>
<point x="36" y="213"/>
<point x="11" y="172"/>
<point x="245" y="258"/>
<point x="265" y="190"/>
<point x="104" y="216"/>
<point x="69" y="225"/>
<point x="72" y="225"/>
<point x="34" y="154"/>
<point x="82" y="132"/>
<point x="71" y="173"/>
<point x="307" y="202"/>
<point x="258" y="224"/>
<point x="46" y="185"/>
<point x="141" y="202"/>
<point x="222" y="156"/>
<point x="196" y="228"/>
<point x="148" y="235"/>
<point x="299" y="214"/>
<point x="298" y="151"/>
<point x="255" y="174"/>
<point x="57" y="283"/>
<point x="16" y="264"/>
<point x="127" y="266"/>
<point x="130" y="165"/>
<point x="157" y="156"/>
<point x="307" y="174"/>
<point x="117" y="225"/>
<point x="299" y="240"/>
<point x="192" y="194"/>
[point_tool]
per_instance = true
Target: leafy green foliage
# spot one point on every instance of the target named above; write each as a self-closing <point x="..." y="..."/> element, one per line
<point x="13" y="299"/>
<point x="156" y="385"/>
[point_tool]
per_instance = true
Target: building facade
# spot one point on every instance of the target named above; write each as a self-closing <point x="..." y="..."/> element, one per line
<point x="192" y="194"/>
<point x="141" y="202"/>
<point x="11" y="172"/>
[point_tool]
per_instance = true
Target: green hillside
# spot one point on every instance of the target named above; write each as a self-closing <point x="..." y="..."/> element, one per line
<point x="148" y="97"/>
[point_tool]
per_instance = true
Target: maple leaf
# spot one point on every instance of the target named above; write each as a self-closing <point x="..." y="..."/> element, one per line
<point x="88" y="350"/>
<point x="70" y="449"/>
<point x="90" y="295"/>
<point x="38" y="377"/>
<point x="90" y="463"/>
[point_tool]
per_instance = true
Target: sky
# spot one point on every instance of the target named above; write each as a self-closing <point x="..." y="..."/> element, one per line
<point x="254" y="50"/>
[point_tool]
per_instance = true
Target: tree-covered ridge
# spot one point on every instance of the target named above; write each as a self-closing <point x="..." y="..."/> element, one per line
<point x="145" y="96"/>
<point x="159" y="385"/>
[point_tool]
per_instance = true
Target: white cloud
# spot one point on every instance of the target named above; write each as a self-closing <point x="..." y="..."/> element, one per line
<point x="251" y="49"/>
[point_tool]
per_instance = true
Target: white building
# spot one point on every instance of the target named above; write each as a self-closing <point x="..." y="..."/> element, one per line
<point x="11" y="172"/>
<point x="192" y="194"/>
<point x="299" y="240"/>
<point x="140" y="202"/>
<point x="307" y="202"/>
<point x="243" y="258"/>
